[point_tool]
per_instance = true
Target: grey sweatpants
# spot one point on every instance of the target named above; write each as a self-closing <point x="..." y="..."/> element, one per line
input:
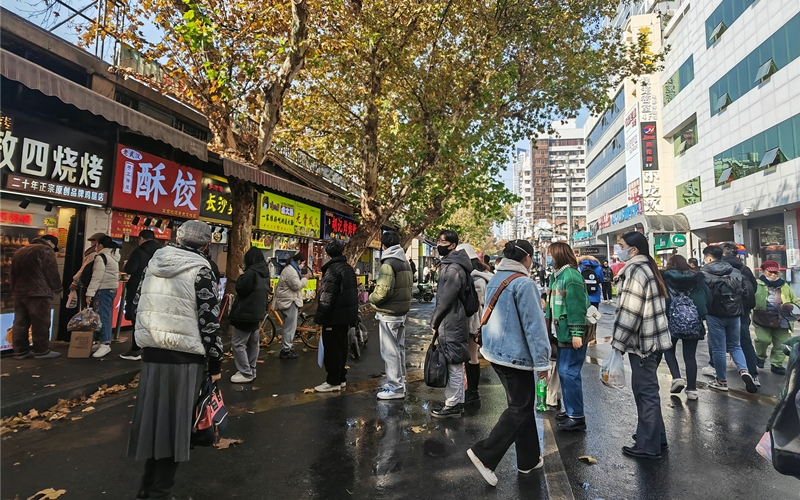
<point x="245" y="351"/>
<point x="289" y="326"/>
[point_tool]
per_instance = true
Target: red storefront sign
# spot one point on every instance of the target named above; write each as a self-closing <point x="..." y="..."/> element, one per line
<point x="122" y="225"/>
<point x="16" y="218"/>
<point x="149" y="184"/>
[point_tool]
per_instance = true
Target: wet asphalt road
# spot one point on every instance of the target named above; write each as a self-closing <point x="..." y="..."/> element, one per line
<point x="349" y="445"/>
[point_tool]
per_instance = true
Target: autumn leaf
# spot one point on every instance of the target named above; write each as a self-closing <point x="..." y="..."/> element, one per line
<point x="33" y="413"/>
<point x="417" y="429"/>
<point x="76" y="418"/>
<point x="50" y="385"/>
<point x="225" y="443"/>
<point x="48" y="494"/>
<point x="41" y="424"/>
<point x="5" y="374"/>
<point x="35" y="376"/>
<point x="308" y="391"/>
<point x="87" y="409"/>
<point x="589" y="460"/>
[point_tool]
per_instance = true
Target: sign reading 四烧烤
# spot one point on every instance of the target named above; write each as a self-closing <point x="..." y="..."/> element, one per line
<point x="40" y="158"/>
<point x="147" y="183"/>
<point x="279" y="214"/>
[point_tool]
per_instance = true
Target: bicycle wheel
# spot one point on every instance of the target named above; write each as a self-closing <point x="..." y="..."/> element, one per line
<point x="267" y="331"/>
<point x="310" y="332"/>
<point x="353" y="343"/>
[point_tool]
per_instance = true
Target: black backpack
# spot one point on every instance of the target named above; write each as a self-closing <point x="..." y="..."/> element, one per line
<point x="86" y="274"/>
<point x="469" y="297"/>
<point x="590" y="278"/>
<point x="728" y="292"/>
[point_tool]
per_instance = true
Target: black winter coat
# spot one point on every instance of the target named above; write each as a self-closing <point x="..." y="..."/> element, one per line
<point x="135" y="267"/>
<point x="748" y="302"/>
<point x="449" y="318"/>
<point x="338" y="294"/>
<point x="250" y="304"/>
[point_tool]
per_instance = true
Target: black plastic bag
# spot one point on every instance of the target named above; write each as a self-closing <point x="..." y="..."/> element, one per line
<point x="435" y="365"/>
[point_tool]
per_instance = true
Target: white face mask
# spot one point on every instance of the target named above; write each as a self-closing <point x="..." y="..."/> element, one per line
<point x="624" y="254"/>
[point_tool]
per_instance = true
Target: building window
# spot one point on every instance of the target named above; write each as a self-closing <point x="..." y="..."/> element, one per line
<point x="726" y="13"/>
<point x="614" y="186"/>
<point x="770" y="57"/>
<point x="679" y="80"/>
<point x="614" y="148"/>
<point x="685" y="138"/>
<point x="772" y="146"/>
<point x="605" y="121"/>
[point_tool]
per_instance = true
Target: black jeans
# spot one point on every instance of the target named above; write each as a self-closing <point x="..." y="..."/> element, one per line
<point x="334" y="339"/>
<point x="517" y="424"/>
<point x="689" y="359"/>
<point x="606" y="290"/>
<point x="650" y="432"/>
<point x="159" y="477"/>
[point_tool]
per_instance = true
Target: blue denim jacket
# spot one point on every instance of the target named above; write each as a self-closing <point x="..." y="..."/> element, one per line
<point x="516" y="335"/>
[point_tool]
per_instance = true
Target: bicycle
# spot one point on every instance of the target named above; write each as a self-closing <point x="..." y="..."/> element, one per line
<point x="307" y="329"/>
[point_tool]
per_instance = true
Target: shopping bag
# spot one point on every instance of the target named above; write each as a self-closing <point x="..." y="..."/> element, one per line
<point x="72" y="300"/>
<point x="210" y="415"/>
<point x="435" y="365"/>
<point x="612" y="372"/>
<point x="764" y="446"/>
<point x="85" y="320"/>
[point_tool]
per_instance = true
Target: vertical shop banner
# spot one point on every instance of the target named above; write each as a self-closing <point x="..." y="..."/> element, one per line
<point x="149" y="184"/>
<point x="278" y="214"/>
<point x="649" y="147"/>
<point x="215" y="199"/>
<point x="339" y="226"/>
<point x="40" y="158"/>
<point x="633" y="166"/>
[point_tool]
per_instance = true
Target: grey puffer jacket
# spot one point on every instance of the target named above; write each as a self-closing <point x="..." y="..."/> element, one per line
<point x="449" y="318"/>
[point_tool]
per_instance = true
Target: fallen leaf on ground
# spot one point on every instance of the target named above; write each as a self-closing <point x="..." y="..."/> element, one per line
<point x="64" y="409"/>
<point x="5" y="430"/>
<point x="260" y="361"/>
<point x="76" y="418"/>
<point x="50" y="385"/>
<point x="226" y="443"/>
<point x="16" y="463"/>
<point x="239" y="388"/>
<point x="41" y="424"/>
<point x="271" y="352"/>
<point x="274" y="395"/>
<point x="5" y="374"/>
<point x="589" y="460"/>
<point x="130" y="406"/>
<point x="305" y="350"/>
<point x="48" y="494"/>
<point x="35" y="376"/>
<point x="417" y="429"/>
<point x="88" y="408"/>
<point x="346" y="367"/>
<point x="254" y="388"/>
<point x="308" y="391"/>
<point x="251" y="412"/>
<point x="33" y="413"/>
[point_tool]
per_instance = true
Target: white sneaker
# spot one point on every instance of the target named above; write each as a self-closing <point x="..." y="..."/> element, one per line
<point x="390" y="394"/>
<point x="344" y="384"/>
<point x="326" y="387"/>
<point x="95" y="346"/>
<point x="102" y="351"/>
<point x="238" y="378"/>
<point x="487" y="474"/>
<point x="691" y="395"/>
<point x="538" y="466"/>
<point x="709" y="371"/>
<point x="756" y="381"/>
<point x="677" y="385"/>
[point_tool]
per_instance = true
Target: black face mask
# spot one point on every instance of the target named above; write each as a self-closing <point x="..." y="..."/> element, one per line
<point x="443" y="249"/>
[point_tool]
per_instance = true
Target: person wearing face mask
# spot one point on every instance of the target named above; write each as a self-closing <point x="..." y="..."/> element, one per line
<point x="449" y="321"/>
<point x="102" y="288"/>
<point x="516" y="343"/>
<point x="566" y="315"/>
<point x="771" y="326"/>
<point x="641" y="329"/>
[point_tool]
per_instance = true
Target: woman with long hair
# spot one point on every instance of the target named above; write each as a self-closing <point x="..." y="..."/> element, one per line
<point x="566" y="312"/>
<point x="249" y="309"/>
<point x="684" y="325"/>
<point x="289" y="299"/>
<point x="641" y="330"/>
<point x="103" y="288"/>
<point x="515" y="343"/>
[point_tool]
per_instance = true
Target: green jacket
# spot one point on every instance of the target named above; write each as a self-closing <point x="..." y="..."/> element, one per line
<point x="392" y="294"/>
<point x="567" y="302"/>
<point x="787" y="297"/>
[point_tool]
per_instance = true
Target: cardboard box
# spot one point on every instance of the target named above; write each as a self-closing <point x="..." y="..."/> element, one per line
<point x="80" y="345"/>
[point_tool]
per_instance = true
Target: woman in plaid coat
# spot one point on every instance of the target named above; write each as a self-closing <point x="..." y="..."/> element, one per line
<point x="642" y="331"/>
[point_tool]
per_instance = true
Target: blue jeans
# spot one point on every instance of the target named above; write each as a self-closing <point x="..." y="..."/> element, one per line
<point x="724" y="335"/>
<point x="106" y="300"/>
<point x="747" y="345"/>
<point x="570" y="363"/>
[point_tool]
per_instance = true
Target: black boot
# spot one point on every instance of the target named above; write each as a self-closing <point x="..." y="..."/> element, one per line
<point x="572" y="424"/>
<point x="449" y="411"/>
<point x="473" y="378"/>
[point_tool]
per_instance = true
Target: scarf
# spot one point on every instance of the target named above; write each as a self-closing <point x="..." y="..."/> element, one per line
<point x="296" y="267"/>
<point x="772" y="284"/>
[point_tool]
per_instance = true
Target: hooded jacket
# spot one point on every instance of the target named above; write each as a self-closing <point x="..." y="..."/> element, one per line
<point x="777" y="292"/>
<point x="713" y="273"/>
<point x="567" y="304"/>
<point x="516" y="335"/>
<point x="691" y="283"/>
<point x="289" y="289"/>
<point x="481" y="279"/>
<point x="171" y="308"/>
<point x="338" y="294"/>
<point x="252" y="291"/>
<point x="749" y="302"/>
<point x="392" y="294"/>
<point x="135" y="267"/>
<point x="34" y="271"/>
<point x="449" y="318"/>
<point x="105" y="275"/>
<point x="589" y="262"/>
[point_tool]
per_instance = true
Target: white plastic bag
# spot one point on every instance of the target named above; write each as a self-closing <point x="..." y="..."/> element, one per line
<point x="612" y="371"/>
<point x="72" y="300"/>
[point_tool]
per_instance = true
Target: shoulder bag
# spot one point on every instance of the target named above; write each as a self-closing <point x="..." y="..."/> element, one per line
<point x="492" y="303"/>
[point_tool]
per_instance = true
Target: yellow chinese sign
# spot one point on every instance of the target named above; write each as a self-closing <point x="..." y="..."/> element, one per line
<point x="278" y="214"/>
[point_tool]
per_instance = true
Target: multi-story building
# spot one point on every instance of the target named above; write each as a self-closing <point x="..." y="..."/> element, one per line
<point x="522" y="187"/>
<point x="731" y="123"/>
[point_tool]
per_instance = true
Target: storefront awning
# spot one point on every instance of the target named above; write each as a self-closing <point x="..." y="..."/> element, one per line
<point x="677" y="223"/>
<point x="245" y="172"/>
<point x="38" y="78"/>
